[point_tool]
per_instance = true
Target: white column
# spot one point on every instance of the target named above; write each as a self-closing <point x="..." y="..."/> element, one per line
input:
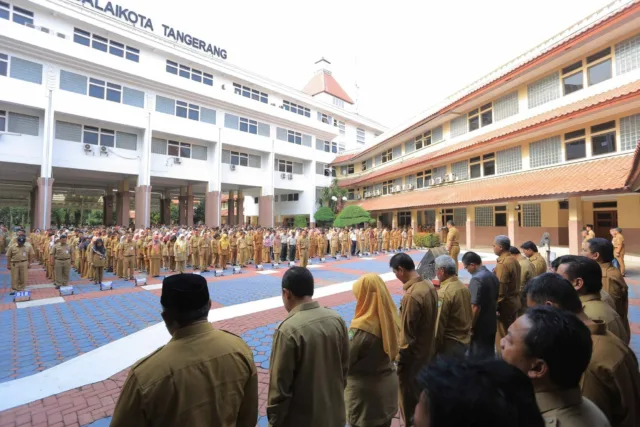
<point x="311" y="176"/>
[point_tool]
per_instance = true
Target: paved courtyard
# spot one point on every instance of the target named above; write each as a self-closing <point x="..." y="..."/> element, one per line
<point x="63" y="360"/>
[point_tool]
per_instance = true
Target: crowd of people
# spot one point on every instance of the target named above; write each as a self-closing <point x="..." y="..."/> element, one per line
<point x="527" y="344"/>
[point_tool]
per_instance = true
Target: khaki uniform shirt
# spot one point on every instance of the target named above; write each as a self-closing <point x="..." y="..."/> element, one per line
<point x="454" y="315"/>
<point x="303" y="243"/>
<point x="309" y="362"/>
<point x="539" y="262"/>
<point x="203" y="377"/>
<point x="371" y="396"/>
<point x="61" y="252"/>
<point x="614" y="284"/>
<point x="527" y="271"/>
<point x="591" y="235"/>
<point x="618" y="244"/>
<point x="453" y="238"/>
<point x="508" y="272"/>
<point x="128" y="248"/>
<point x="612" y="380"/>
<point x="567" y="408"/>
<point x="20" y="253"/>
<point x="418" y="314"/>
<point x="597" y="309"/>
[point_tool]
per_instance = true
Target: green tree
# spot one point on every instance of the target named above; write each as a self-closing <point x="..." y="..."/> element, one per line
<point x="328" y="193"/>
<point x="175" y="213"/>
<point x="12" y="216"/>
<point x="155" y="217"/>
<point x="352" y="215"/>
<point x="324" y="215"/>
<point x="198" y="213"/>
<point x="300" y="221"/>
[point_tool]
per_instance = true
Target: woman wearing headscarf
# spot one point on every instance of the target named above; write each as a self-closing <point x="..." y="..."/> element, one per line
<point x="165" y="252"/>
<point x="181" y="251"/>
<point x="223" y="250"/>
<point x="98" y="260"/>
<point x="371" y="395"/>
<point x="154" y="251"/>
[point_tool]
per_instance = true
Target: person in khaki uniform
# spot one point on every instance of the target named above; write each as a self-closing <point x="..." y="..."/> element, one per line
<point x="61" y="260"/>
<point x="590" y="233"/>
<point x="19" y="257"/>
<point x="618" y="248"/>
<point x="507" y="271"/>
<point x="612" y="379"/>
<point x="107" y="248"/>
<point x="249" y="239"/>
<point x="385" y="239"/>
<point x="453" y="242"/>
<point x="181" y="253"/>
<point x="454" y="311"/>
<point x="584" y="275"/>
<point x="313" y="244"/>
<point x="208" y="255"/>
<point x="530" y="250"/>
<point x="418" y="320"/>
<point x="242" y="249"/>
<point x="410" y="238"/>
<point x="223" y="251"/>
<point x="345" y="242"/>
<point x="555" y="361"/>
<point x="303" y="244"/>
<point x="129" y="252"/>
<point x="202" y="377"/>
<point x="140" y="256"/>
<point x="154" y="254"/>
<point x="233" y="245"/>
<point x="277" y="247"/>
<point x="309" y="360"/>
<point x="371" y="397"/>
<point x="527" y="269"/>
<point x="334" y="243"/>
<point x="99" y="261"/>
<point x="257" y="247"/>
<point x="194" y="243"/>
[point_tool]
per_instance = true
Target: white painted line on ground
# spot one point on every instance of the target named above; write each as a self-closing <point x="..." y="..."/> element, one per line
<point x="267" y="271"/>
<point x="45" y="286"/>
<point x="152" y="287"/>
<point x="367" y="259"/>
<point x="106" y="361"/>
<point x="312" y="266"/>
<point x="38" y="302"/>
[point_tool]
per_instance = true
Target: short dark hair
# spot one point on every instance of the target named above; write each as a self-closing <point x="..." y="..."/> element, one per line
<point x="586" y="269"/>
<point x="514" y="251"/>
<point x="473" y="392"/>
<point x="603" y="247"/>
<point x="555" y="288"/>
<point x="451" y="222"/>
<point x="530" y="246"/>
<point x="562" y="341"/>
<point x="299" y="281"/>
<point x="471" y="258"/>
<point x="184" y="318"/>
<point x="555" y="263"/>
<point x="402" y="260"/>
<point x="590" y="225"/>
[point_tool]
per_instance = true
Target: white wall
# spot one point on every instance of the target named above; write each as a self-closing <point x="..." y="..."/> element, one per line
<point x="17" y="148"/>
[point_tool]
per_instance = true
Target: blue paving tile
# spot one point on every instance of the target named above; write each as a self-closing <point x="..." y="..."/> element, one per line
<point x="104" y="422"/>
<point x="370" y="266"/>
<point x="333" y="276"/>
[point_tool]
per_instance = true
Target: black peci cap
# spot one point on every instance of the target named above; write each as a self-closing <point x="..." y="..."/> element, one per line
<point x="184" y="292"/>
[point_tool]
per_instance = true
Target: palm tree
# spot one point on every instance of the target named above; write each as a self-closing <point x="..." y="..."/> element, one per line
<point x="328" y="193"/>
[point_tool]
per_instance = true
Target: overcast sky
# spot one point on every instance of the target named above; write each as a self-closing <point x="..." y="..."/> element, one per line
<point x="404" y="55"/>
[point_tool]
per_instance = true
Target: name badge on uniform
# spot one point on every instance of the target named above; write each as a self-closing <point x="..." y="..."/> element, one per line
<point x="67" y="251"/>
<point x="24" y="253"/>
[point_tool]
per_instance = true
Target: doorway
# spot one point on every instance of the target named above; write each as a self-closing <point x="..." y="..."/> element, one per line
<point x="603" y="222"/>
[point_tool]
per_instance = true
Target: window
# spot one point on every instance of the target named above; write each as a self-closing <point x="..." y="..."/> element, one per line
<point x="240" y="159"/>
<point x="363" y="166"/>
<point x="387" y="156"/>
<point x="605" y="205"/>
<point x="484" y="166"/>
<point x="629" y="132"/>
<point x="96" y="136"/>
<point x="97" y="88"/>
<point x="106" y="45"/>
<point x="627" y="54"/>
<point x="294" y="137"/>
<point x="484" y="216"/>
<point x="189" y="73"/>
<point x="572" y="78"/>
<point x="340" y="125"/>
<point x="509" y="160"/>
<point x="179" y="149"/>
<point x="531" y="216"/>
<point x="545" y="152"/>
<point x="423" y="140"/>
<point x="341" y="147"/>
<point x="351" y="194"/>
<point x="285" y="166"/>
<point x="351" y="169"/>
<point x="3" y="121"/>
<point x="324" y="118"/>
<point x="599" y="67"/>
<point x="295" y="108"/>
<point x="250" y="93"/>
<point x="289" y="197"/>
<point x="187" y="111"/>
<point x="22" y="16"/>
<point x="603" y="138"/>
<point x="330" y="171"/>
<point x="423" y="178"/>
<point x="4" y="64"/>
<point x="404" y="219"/>
<point x="386" y="187"/>
<point x="338" y="102"/>
<point x="480" y="117"/>
<point x="500" y="219"/>
<point x="330" y="147"/>
<point x="360" y="136"/>
<point x="544" y="90"/>
<point x="4" y="10"/>
<point x="575" y="145"/>
<point x="248" y="125"/>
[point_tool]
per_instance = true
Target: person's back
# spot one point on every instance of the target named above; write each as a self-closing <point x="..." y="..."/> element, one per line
<point x="596" y="309"/>
<point x="567" y="408"/>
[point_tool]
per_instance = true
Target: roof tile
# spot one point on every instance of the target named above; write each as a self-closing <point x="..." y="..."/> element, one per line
<point x="325" y="82"/>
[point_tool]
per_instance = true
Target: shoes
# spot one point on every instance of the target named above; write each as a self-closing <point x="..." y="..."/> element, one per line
<point x="12" y="293"/>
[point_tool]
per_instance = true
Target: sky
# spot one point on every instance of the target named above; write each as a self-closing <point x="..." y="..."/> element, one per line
<point x="396" y="58"/>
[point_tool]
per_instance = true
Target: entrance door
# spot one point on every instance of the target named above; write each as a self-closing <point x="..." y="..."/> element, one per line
<point x="604" y="221"/>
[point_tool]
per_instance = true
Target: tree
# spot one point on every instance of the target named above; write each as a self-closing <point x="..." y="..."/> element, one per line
<point x="352" y="215"/>
<point x="198" y="213"/>
<point x="324" y="215"/>
<point x="300" y="221"/>
<point x="328" y="193"/>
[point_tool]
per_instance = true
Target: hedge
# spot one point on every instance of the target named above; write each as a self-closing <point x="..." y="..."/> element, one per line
<point x="426" y="240"/>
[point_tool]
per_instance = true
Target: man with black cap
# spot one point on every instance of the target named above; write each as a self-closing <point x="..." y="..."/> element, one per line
<point x="203" y="377"/>
<point x="61" y="260"/>
<point x="19" y="256"/>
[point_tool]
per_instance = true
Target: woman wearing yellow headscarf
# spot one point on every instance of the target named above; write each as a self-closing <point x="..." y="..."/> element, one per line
<point x="371" y="396"/>
<point x="223" y="249"/>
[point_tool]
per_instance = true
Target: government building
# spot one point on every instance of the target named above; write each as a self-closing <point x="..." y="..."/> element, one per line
<point x="545" y="143"/>
<point x="105" y="107"/>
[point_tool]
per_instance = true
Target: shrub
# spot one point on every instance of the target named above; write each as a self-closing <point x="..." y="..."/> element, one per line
<point x="426" y="240"/>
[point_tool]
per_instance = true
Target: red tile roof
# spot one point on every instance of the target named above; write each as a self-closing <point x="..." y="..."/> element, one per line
<point x="590" y="177"/>
<point x="574" y="39"/>
<point x="586" y="106"/>
<point x="633" y="179"/>
<point x="325" y="82"/>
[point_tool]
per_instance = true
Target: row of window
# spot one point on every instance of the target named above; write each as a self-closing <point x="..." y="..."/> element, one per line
<point x="247" y="125"/>
<point x="21" y="69"/>
<point x="250" y="93"/>
<point x="185" y="110"/>
<point x="178" y="149"/>
<point x="294" y="197"/>
<point x="293" y="137"/>
<point x="325" y="170"/>
<point x="106" y="45"/>
<point x="241" y="159"/>
<point x="295" y="108"/>
<point x="19" y="123"/>
<point x="288" y="166"/>
<point x="15" y="14"/>
<point x="101" y="89"/>
<point x="189" y="73"/>
<point x="330" y="146"/>
<point x="94" y="135"/>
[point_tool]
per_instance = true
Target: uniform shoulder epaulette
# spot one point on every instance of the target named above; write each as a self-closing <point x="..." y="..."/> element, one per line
<point x="230" y="333"/>
<point x="147" y="357"/>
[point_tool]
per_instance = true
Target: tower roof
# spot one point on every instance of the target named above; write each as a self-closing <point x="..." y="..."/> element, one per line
<point x="323" y="81"/>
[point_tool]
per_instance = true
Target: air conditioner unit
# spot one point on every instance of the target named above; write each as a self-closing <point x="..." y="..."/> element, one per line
<point x="289" y="176"/>
<point x="358" y="197"/>
<point x="397" y="188"/>
<point x="367" y="194"/>
<point x="177" y="160"/>
<point x="409" y="187"/>
<point x="378" y="192"/>
<point x="232" y="167"/>
<point x="392" y="190"/>
<point x="283" y="175"/>
<point x="45" y="30"/>
<point x="62" y="36"/>
<point x="104" y="150"/>
<point x="450" y="177"/>
<point x="224" y="87"/>
<point x="438" y="180"/>
<point x="432" y="182"/>
<point x="88" y="148"/>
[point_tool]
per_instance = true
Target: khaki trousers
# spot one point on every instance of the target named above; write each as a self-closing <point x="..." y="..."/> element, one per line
<point x="98" y="274"/>
<point x="128" y="266"/>
<point x="62" y="268"/>
<point x="304" y="257"/>
<point x="453" y="253"/>
<point x="19" y="274"/>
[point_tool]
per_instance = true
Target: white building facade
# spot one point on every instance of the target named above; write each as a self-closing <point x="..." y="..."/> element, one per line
<point x="103" y="104"/>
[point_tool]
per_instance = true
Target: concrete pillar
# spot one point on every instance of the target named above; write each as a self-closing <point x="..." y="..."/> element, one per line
<point x="32" y="209"/>
<point x="438" y="224"/>
<point x="107" y="207"/>
<point x="143" y="206"/>
<point x="43" y="199"/>
<point x="414" y="219"/>
<point x="512" y="222"/>
<point x="231" y="216"/>
<point x="123" y="204"/>
<point x="265" y="210"/>
<point x="471" y="228"/>
<point x="190" y="210"/>
<point x="182" y="206"/>
<point x="240" y="208"/>
<point x="394" y="219"/>
<point x="575" y="225"/>
<point x="212" y="209"/>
